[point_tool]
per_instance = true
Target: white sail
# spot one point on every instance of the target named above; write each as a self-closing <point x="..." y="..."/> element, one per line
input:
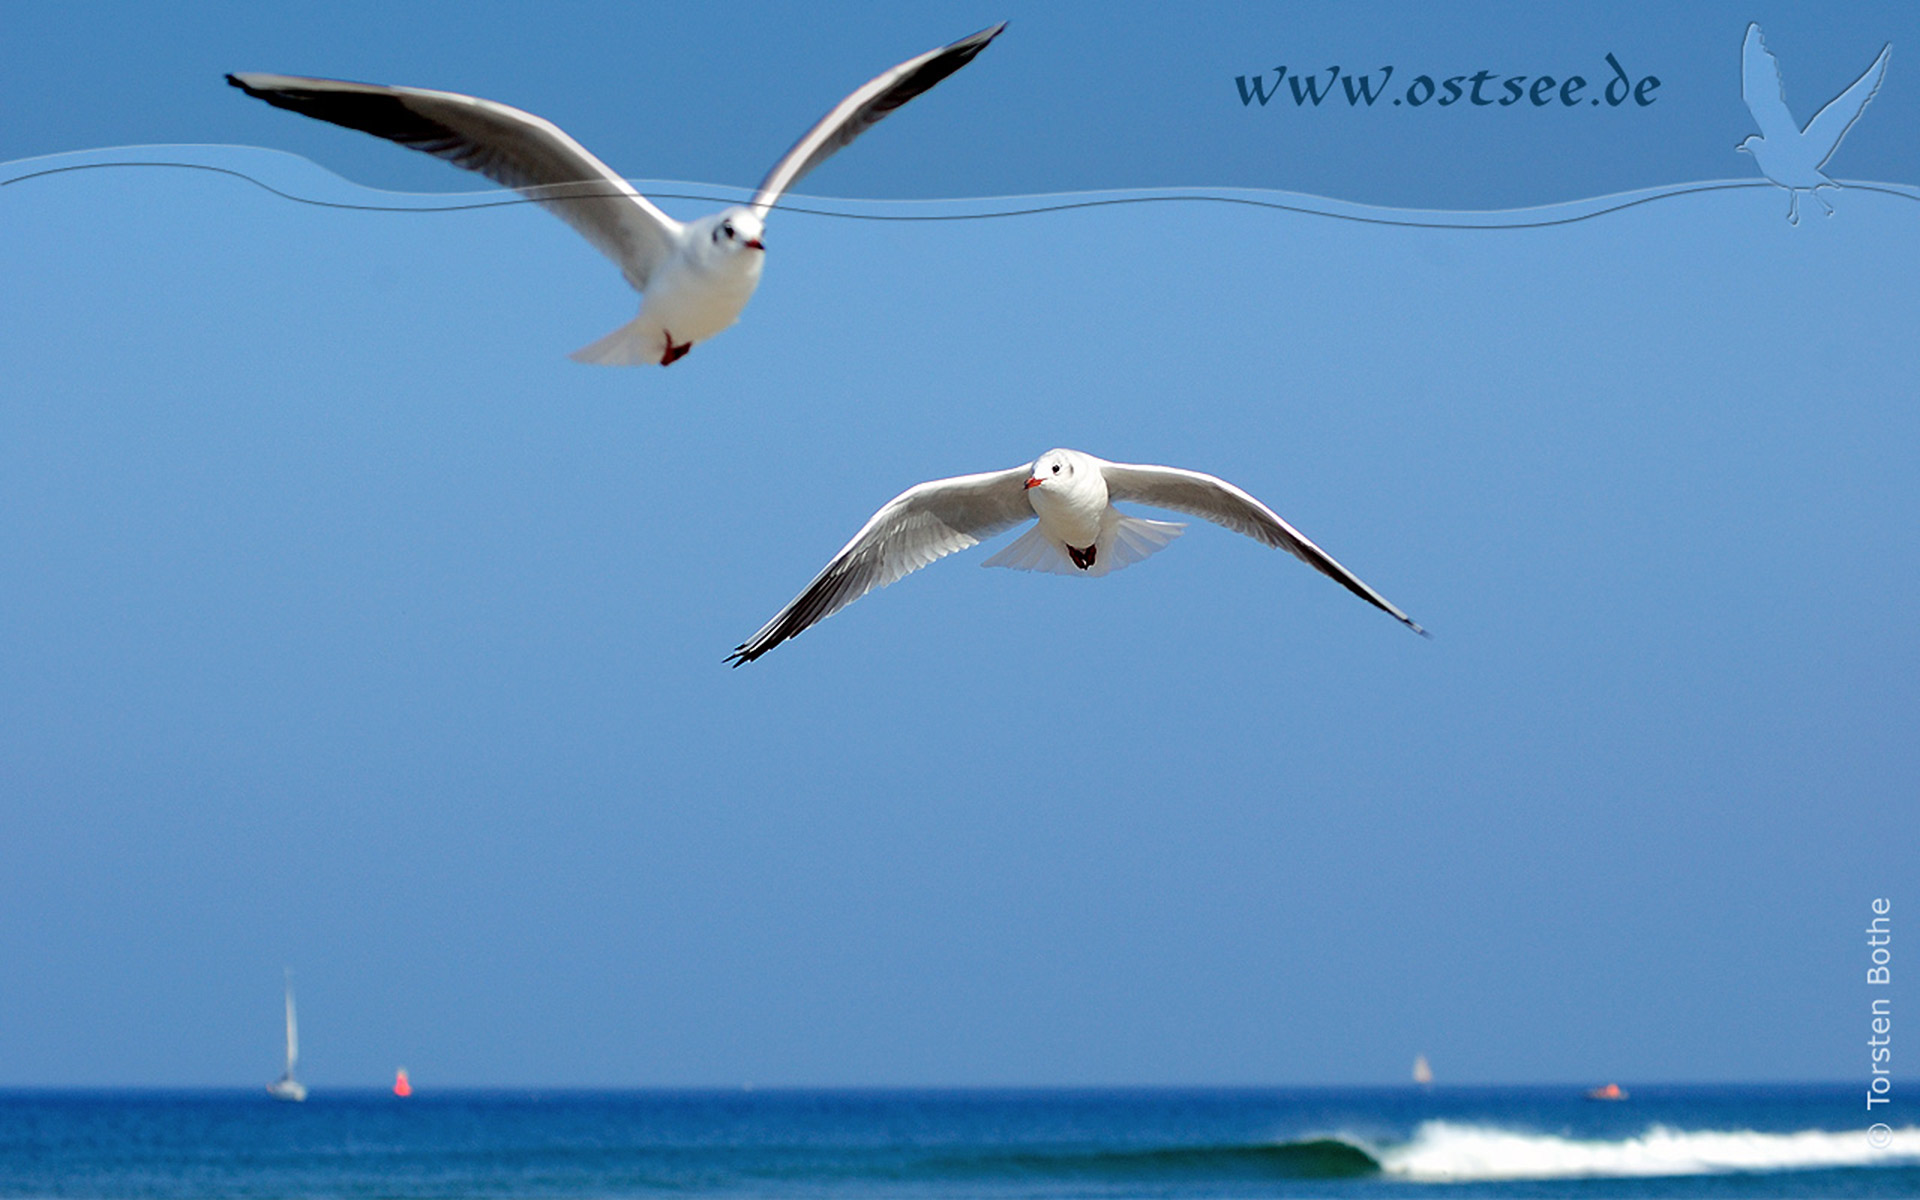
<point x="287" y="1087"/>
<point x="293" y="1030"/>
<point x="1422" y="1073"/>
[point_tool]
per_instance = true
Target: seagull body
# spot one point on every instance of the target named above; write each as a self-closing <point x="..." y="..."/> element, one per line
<point x="700" y="289"/>
<point x="694" y="278"/>
<point x="1787" y="154"/>
<point x="1077" y="531"/>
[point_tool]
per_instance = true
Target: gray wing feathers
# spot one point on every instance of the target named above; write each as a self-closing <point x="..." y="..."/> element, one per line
<point x="864" y="108"/>
<point x="921" y="525"/>
<point x="1216" y="500"/>
<point x="514" y="148"/>
<point x="1761" y="87"/>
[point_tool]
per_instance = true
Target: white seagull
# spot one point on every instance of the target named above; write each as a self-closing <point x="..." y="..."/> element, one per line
<point x="695" y="278"/>
<point x="1079" y="532"/>
<point x="1787" y="154"/>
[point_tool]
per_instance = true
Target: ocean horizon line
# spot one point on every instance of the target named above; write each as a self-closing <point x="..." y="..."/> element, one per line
<point x="986" y="1089"/>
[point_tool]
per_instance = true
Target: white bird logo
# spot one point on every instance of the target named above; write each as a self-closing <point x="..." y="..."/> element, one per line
<point x="1788" y="154"/>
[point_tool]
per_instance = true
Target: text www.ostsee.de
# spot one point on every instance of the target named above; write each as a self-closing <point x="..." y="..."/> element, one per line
<point x="1482" y="89"/>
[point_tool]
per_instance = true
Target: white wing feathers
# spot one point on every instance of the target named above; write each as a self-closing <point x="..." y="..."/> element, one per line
<point x="917" y="527"/>
<point x="536" y="158"/>
<point x="531" y="155"/>
<point x="1216" y="500"/>
<point x="863" y="109"/>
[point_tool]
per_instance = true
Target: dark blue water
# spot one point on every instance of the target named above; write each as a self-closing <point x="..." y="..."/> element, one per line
<point x="1450" y="1142"/>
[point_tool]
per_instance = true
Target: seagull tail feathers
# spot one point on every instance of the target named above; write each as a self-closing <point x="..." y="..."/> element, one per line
<point x="1132" y="539"/>
<point x="635" y="344"/>
<point x="1034" y="551"/>
<point x="1125" y="541"/>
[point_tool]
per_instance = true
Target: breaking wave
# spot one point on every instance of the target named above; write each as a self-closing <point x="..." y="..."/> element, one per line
<point x="1441" y="1151"/>
<point x="1450" y="1152"/>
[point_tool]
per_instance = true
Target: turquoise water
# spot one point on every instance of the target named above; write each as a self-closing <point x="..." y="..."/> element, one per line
<point x="1694" y="1141"/>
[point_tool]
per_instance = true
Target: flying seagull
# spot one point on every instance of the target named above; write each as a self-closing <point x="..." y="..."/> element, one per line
<point x="695" y="278"/>
<point x="1079" y="532"/>
<point x="1789" y="155"/>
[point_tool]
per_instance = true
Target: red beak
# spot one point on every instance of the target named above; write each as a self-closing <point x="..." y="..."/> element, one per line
<point x="1034" y="483"/>
<point x="755" y="244"/>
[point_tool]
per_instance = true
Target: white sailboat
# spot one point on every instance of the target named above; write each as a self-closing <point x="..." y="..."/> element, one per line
<point x="1422" y="1073"/>
<point x="287" y="1087"/>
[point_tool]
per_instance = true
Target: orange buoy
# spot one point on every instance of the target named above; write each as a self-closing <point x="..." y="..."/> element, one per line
<point x="400" y="1085"/>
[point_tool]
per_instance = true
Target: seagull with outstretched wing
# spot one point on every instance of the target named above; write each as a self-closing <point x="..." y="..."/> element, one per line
<point x="1789" y="155"/>
<point x="1078" y="532"/>
<point x="695" y="278"/>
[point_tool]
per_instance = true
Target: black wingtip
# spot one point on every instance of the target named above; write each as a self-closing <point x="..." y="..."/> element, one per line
<point x="240" y="81"/>
<point x="257" y="93"/>
<point x="974" y="43"/>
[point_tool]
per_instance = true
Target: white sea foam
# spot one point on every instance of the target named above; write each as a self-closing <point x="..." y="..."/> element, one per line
<point x="1444" y="1151"/>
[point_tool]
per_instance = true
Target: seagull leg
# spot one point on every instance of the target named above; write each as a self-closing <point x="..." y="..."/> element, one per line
<point x="1823" y="199"/>
<point x="1793" y="206"/>
<point x="673" y="353"/>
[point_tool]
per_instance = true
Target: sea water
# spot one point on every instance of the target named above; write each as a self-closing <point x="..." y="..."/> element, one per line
<point x="1446" y="1142"/>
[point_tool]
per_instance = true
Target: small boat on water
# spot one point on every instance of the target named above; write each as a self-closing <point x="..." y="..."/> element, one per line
<point x="287" y="1087"/>
<point x="401" y="1087"/>
<point x="1422" y="1073"/>
<point x="1612" y="1091"/>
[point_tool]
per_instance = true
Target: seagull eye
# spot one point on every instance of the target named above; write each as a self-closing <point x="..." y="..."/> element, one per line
<point x="1056" y="468"/>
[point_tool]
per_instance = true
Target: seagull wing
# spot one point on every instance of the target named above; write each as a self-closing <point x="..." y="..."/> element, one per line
<point x="861" y="111"/>
<point x="1222" y="503"/>
<point x="918" y="526"/>
<point x="1831" y="123"/>
<point x="1760" y="84"/>
<point x="524" y="152"/>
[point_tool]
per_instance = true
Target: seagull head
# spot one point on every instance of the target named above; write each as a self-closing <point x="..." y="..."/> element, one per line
<point x="1747" y="144"/>
<point x="1056" y="467"/>
<point x="737" y="229"/>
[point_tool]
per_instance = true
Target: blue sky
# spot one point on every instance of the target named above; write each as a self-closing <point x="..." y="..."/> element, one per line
<point x="1077" y="96"/>
<point x="354" y="628"/>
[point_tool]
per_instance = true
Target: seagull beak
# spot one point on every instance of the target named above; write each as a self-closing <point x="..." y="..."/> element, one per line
<point x="1034" y="483"/>
<point x="755" y="244"/>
